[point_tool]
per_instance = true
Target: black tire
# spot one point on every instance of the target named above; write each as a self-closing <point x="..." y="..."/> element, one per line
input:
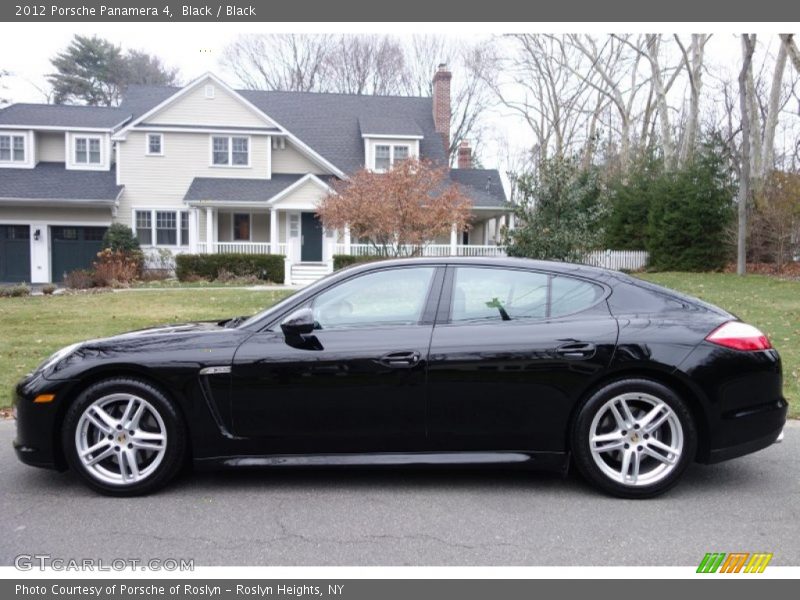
<point x="175" y="444"/>
<point x="584" y="458"/>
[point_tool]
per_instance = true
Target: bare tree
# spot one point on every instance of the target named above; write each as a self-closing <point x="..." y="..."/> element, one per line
<point x="791" y="49"/>
<point x="288" y="62"/>
<point x="748" y="49"/>
<point x="693" y="63"/>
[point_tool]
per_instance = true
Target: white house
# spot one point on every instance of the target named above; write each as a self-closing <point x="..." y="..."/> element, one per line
<point x="206" y="168"/>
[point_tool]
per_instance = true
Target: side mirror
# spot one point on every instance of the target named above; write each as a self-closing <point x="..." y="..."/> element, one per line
<point x="299" y="322"/>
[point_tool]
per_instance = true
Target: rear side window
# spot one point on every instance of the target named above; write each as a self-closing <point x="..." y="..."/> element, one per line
<point x="570" y="295"/>
<point x="491" y="294"/>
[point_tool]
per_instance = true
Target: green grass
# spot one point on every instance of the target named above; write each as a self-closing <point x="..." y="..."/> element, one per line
<point x="771" y="304"/>
<point x="32" y="328"/>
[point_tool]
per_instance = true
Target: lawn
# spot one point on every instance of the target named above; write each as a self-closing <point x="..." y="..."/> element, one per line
<point x="771" y="304"/>
<point x="32" y="328"/>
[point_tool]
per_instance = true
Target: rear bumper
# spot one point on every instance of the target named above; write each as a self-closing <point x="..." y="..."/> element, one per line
<point x="720" y="454"/>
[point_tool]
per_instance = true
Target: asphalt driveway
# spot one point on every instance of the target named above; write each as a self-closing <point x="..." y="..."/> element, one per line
<point x="401" y="517"/>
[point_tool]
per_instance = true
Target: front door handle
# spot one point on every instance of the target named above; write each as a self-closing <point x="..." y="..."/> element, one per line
<point x="401" y="360"/>
<point x="577" y="350"/>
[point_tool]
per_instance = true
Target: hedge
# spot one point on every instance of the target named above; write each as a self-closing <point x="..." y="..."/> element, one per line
<point x="340" y="261"/>
<point x="207" y="266"/>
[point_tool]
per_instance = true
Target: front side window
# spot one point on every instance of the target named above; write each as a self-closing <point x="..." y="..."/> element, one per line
<point x="155" y="144"/>
<point x="184" y="228"/>
<point x="166" y="228"/>
<point x="12" y="148"/>
<point x="227" y="151"/>
<point x="87" y="151"/>
<point x="383" y="158"/>
<point x="391" y="297"/>
<point x="144" y="227"/>
<point x="491" y="294"/>
<point x="241" y="227"/>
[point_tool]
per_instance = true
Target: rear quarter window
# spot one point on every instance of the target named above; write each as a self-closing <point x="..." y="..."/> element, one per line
<point x="568" y="295"/>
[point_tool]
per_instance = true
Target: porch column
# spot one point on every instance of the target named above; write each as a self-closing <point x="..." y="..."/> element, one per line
<point x="211" y="238"/>
<point x="274" y="238"/>
<point x="194" y="229"/>
<point x="511" y="220"/>
<point x="347" y="240"/>
<point x="453" y="240"/>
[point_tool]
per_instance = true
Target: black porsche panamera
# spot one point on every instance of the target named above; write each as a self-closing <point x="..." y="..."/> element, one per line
<point x="418" y="362"/>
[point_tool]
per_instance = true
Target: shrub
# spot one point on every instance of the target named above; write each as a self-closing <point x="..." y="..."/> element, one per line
<point x="15" y="291"/>
<point x="120" y="237"/>
<point x="48" y="289"/>
<point x="79" y="279"/>
<point x="690" y="216"/>
<point x="266" y="267"/>
<point x="340" y="261"/>
<point x="117" y="266"/>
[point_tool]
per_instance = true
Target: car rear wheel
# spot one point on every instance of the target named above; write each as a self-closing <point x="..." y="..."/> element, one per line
<point x="634" y="438"/>
<point x="124" y="437"/>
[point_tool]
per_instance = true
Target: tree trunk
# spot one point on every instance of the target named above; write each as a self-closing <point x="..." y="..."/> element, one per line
<point x="791" y="49"/>
<point x="748" y="47"/>
<point x="772" y="113"/>
<point x="653" y="42"/>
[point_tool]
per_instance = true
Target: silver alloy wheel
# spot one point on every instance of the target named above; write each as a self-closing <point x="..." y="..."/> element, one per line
<point x="636" y="439"/>
<point x="121" y="439"/>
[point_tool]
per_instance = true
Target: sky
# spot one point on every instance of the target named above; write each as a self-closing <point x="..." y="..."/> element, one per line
<point x="195" y="48"/>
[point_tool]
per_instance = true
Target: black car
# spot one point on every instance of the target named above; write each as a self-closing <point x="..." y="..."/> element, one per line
<point x="418" y="362"/>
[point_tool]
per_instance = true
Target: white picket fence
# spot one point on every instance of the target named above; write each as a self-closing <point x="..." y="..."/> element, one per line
<point x="620" y="260"/>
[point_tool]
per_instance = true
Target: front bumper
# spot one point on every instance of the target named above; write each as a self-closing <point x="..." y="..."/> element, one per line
<point x="37" y="441"/>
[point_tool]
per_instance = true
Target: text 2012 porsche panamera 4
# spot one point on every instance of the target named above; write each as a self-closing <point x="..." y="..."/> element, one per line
<point x="418" y="362"/>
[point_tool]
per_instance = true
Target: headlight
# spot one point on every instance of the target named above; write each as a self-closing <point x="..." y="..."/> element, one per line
<point x="58" y="356"/>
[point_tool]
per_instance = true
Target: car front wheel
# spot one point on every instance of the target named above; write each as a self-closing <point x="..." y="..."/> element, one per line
<point x="124" y="437"/>
<point x="634" y="438"/>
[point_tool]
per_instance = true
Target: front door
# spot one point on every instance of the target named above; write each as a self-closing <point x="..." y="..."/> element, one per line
<point x="356" y="384"/>
<point x="311" y="238"/>
<point x="512" y="352"/>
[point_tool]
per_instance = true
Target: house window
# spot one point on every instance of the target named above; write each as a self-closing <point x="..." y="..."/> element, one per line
<point x="87" y="151"/>
<point x="184" y="228"/>
<point x="12" y="148"/>
<point x="144" y="227"/>
<point x="162" y="227"/>
<point x="386" y="156"/>
<point x="400" y="153"/>
<point x="166" y="228"/>
<point x="241" y="227"/>
<point x="294" y="225"/>
<point x="155" y="144"/>
<point x="230" y="151"/>
<point x="209" y="91"/>
<point x="383" y="158"/>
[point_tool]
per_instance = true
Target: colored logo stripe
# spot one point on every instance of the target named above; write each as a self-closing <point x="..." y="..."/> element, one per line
<point x="735" y="562"/>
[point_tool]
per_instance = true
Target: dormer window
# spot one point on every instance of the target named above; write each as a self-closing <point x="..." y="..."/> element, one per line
<point x="12" y="148"/>
<point x="87" y="151"/>
<point x="387" y="155"/>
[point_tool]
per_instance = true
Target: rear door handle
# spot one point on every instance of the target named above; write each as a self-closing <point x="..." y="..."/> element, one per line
<point x="401" y="360"/>
<point x="577" y="350"/>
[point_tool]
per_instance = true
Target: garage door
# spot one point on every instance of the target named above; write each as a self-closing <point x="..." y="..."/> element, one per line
<point x="74" y="248"/>
<point x="15" y="253"/>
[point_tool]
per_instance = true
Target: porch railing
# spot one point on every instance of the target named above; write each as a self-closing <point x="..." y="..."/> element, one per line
<point x="239" y="248"/>
<point x="429" y="250"/>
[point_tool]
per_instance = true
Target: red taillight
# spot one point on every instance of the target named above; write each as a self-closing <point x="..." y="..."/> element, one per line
<point x="739" y="336"/>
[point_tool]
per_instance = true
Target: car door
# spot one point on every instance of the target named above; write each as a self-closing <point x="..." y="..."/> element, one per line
<point x="357" y="382"/>
<point x="511" y="350"/>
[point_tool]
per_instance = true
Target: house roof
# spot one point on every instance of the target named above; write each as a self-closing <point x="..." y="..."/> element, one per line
<point x="389" y="125"/>
<point x="483" y="185"/>
<point x="229" y="189"/>
<point x="51" y="181"/>
<point x="60" y="115"/>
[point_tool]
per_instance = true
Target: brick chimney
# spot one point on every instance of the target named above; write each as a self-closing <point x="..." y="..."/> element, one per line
<point x="464" y="155"/>
<point x="441" y="103"/>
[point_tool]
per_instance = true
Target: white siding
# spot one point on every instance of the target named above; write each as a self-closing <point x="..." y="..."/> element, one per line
<point x="194" y="108"/>
<point x="164" y="180"/>
<point x="306" y="197"/>
<point x="290" y="160"/>
<point x="50" y="146"/>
